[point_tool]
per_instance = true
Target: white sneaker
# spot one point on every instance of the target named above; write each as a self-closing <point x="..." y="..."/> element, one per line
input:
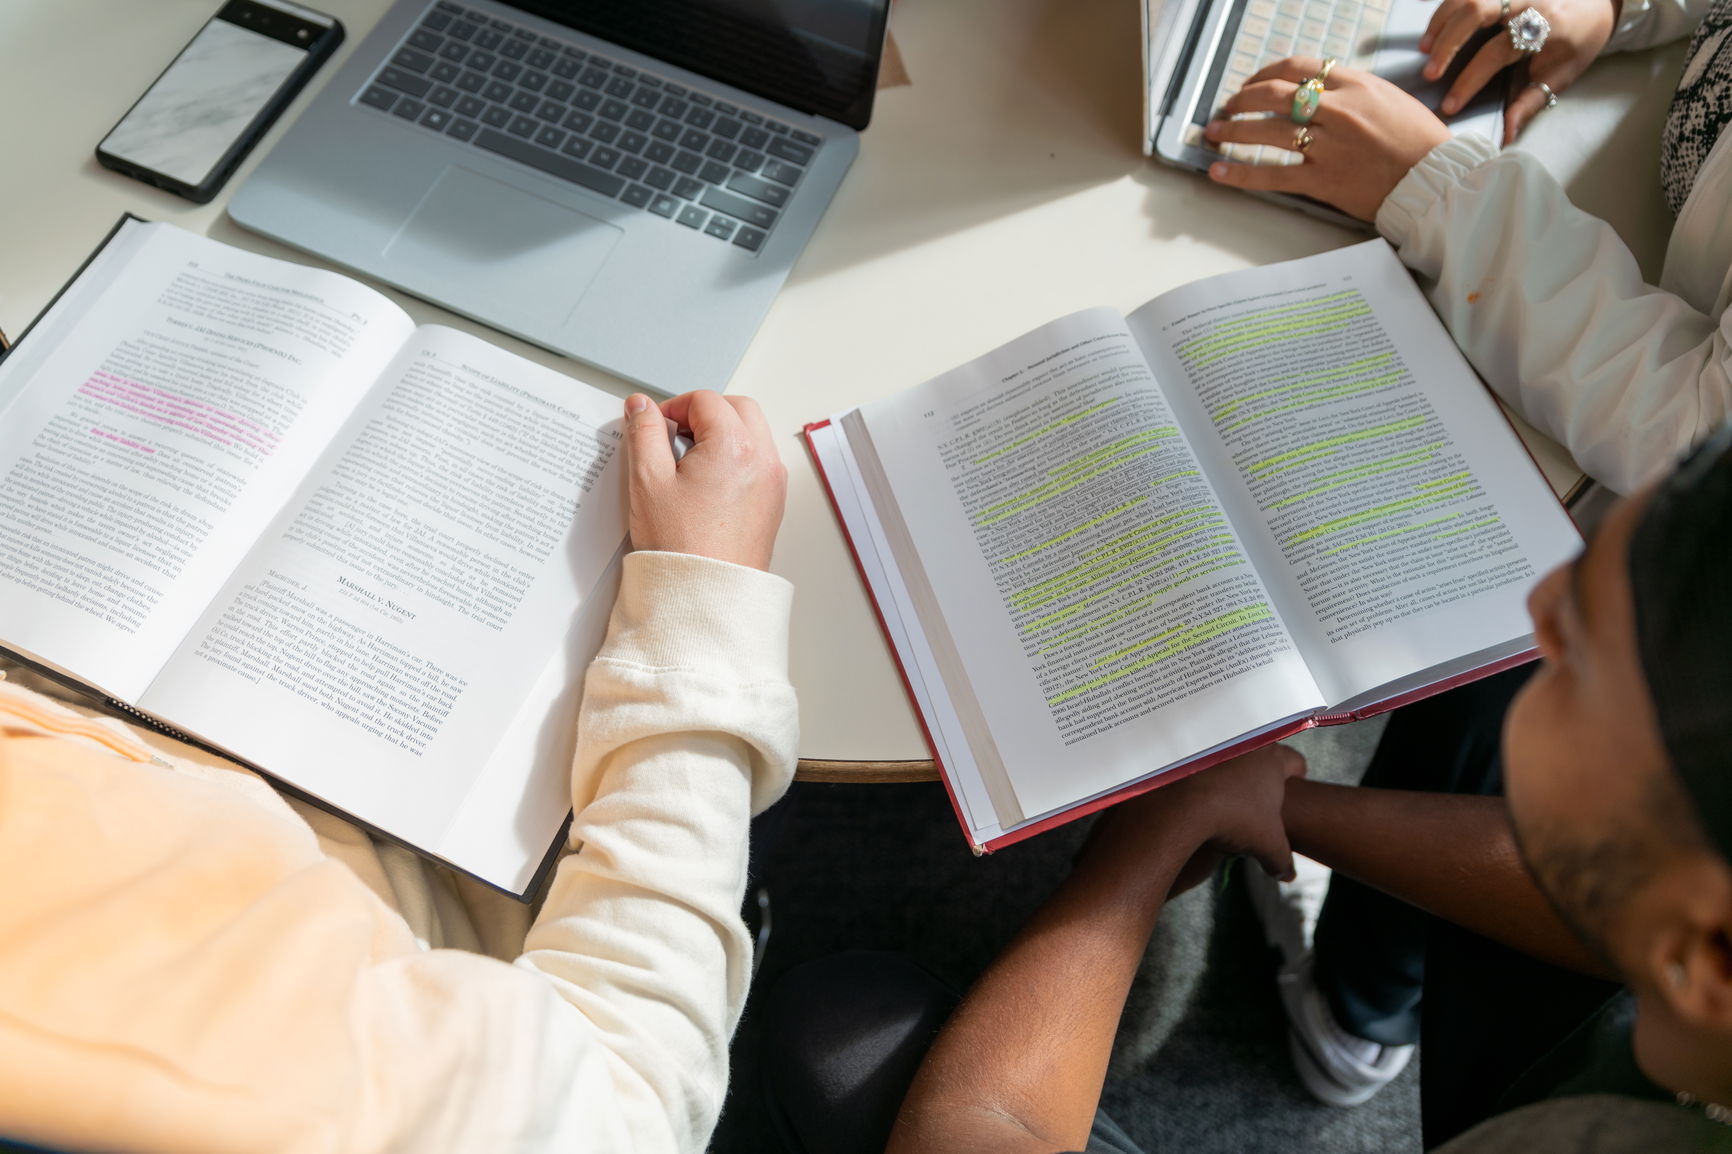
<point x="1288" y="910"/>
<point x="1339" y="1068"/>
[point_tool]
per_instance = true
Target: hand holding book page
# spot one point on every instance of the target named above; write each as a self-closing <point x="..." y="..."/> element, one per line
<point x="722" y="494"/>
<point x="1084" y="508"/>
<point x="160" y="431"/>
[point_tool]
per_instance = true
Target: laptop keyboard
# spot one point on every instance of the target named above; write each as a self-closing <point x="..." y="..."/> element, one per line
<point x="645" y="141"/>
<point x="1271" y="30"/>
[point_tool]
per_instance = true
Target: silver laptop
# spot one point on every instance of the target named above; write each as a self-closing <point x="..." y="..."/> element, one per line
<point x="1196" y="53"/>
<point x="627" y="182"/>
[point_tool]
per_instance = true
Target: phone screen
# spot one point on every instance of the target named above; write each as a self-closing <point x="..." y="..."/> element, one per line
<point x="196" y="110"/>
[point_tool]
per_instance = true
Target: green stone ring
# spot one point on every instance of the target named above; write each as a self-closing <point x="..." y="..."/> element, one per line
<point x="1306" y="100"/>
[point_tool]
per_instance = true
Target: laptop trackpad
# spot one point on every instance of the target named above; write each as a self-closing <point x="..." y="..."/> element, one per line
<point x="488" y="248"/>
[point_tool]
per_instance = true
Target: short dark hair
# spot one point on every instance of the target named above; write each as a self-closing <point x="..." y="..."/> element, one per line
<point x="1679" y="555"/>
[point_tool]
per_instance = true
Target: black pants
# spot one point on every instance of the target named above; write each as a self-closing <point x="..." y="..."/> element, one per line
<point x="1488" y="1013"/>
<point x="843" y="1037"/>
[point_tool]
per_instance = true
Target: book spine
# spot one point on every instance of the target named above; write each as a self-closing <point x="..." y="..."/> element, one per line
<point x="978" y="849"/>
<point x="147" y="719"/>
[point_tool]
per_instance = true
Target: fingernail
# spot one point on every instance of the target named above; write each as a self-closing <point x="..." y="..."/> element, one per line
<point x="1290" y="875"/>
<point x="1212" y="130"/>
<point x="635" y="404"/>
<point x="1218" y="171"/>
<point x="1450" y="105"/>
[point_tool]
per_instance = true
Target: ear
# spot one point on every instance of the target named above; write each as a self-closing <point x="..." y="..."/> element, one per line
<point x="1687" y="960"/>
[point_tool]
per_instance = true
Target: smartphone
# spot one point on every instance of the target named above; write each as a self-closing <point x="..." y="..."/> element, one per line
<point x="195" y="125"/>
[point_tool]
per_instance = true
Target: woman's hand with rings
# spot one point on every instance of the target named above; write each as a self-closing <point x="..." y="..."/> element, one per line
<point x="1365" y="136"/>
<point x="1579" y="30"/>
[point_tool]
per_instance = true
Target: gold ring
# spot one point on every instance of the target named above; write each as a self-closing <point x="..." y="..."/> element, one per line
<point x="1323" y="72"/>
<point x="1303" y="139"/>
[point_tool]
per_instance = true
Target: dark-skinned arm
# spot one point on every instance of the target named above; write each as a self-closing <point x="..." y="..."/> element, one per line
<point x="1455" y="857"/>
<point x="1018" y="1069"/>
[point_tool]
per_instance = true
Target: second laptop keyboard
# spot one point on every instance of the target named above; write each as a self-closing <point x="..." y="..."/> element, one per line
<point x="644" y="140"/>
<point x="1271" y="30"/>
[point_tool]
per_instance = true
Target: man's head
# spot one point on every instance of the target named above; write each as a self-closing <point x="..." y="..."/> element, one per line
<point x="1619" y="751"/>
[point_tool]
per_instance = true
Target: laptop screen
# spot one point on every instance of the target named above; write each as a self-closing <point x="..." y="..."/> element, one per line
<point x="817" y="56"/>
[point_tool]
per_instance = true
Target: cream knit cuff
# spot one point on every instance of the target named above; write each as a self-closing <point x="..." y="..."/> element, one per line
<point x="1633" y="17"/>
<point x="682" y="611"/>
<point x="1437" y="172"/>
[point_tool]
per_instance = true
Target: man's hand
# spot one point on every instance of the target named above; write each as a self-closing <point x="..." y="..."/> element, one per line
<point x="1367" y="135"/>
<point x="1230" y="809"/>
<point x="1019" y="1067"/>
<point x="724" y="498"/>
<point x="1579" y="31"/>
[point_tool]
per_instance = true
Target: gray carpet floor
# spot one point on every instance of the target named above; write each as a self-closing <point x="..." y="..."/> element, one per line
<point x="1201" y="1062"/>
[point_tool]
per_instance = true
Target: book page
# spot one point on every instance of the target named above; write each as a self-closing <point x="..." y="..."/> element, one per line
<point x="383" y="635"/>
<point x="1094" y="607"/>
<point x="518" y="803"/>
<point x="939" y="718"/>
<point x="153" y="422"/>
<point x="1398" y="518"/>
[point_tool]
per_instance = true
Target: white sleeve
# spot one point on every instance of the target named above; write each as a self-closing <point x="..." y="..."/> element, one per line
<point x="688" y="728"/>
<point x="1550" y="307"/>
<point x="1646" y="23"/>
<point x="610" y="1033"/>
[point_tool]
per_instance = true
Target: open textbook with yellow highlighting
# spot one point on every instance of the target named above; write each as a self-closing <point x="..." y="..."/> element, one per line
<point x="253" y="502"/>
<point x="1123" y="547"/>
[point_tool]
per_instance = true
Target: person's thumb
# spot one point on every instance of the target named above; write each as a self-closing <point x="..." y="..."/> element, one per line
<point x="1276" y="858"/>
<point x="646" y="438"/>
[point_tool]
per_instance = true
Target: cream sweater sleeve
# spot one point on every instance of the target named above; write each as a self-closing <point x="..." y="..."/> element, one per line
<point x="186" y="970"/>
<point x="1551" y="308"/>
<point x="688" y="728"/>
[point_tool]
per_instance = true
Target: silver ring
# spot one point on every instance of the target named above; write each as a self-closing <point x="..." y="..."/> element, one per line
<point x="1503" y="18"/>
<point x="1551" y="97"/>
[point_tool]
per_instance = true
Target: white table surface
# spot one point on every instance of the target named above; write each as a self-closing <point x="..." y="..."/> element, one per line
<point x="1003" y="187"/>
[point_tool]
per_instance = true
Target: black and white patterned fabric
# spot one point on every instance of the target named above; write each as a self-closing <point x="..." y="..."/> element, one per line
<point x="1702" y="106"/>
